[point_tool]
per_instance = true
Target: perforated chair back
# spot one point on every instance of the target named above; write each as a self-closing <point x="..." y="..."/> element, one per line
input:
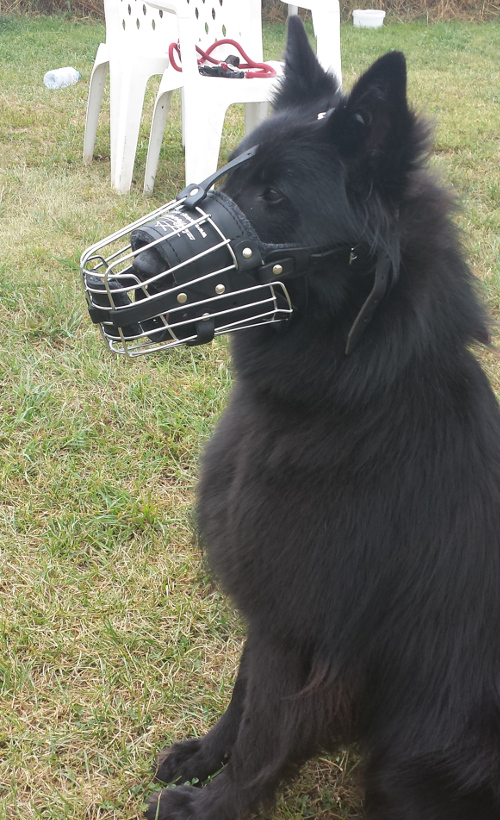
<point x="206" y="99"/>
<point x="136" y="48"/>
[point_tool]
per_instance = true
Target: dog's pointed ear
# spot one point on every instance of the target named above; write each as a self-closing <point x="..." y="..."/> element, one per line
<point x="304" y="81"/>
<point x="375" y="125"/>
<point x="375" y="116"/>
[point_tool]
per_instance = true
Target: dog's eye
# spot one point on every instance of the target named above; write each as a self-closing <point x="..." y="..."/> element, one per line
<point x="272" y="195"/>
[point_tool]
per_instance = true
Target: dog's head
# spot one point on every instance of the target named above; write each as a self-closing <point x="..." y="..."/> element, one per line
<point x="327" y="162"/>
<point x="332" y="170"/>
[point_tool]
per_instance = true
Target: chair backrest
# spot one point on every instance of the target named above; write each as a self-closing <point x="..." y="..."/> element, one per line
<point x="213" y="20"/>
<point x="134" y="26"/>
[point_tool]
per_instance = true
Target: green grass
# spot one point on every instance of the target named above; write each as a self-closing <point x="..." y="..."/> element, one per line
<point x="112" y="639"/>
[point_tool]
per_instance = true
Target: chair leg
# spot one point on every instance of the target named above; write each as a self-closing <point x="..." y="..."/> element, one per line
<point x="201" y="156"/>
<point x="126" y="102"/>
<point x="96" y="90"/>
<point x="158" y="123"/>
<point x="255" y="113"/>
<point x="183" y="119"/>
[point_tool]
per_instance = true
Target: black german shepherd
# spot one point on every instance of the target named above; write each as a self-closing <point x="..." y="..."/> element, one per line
<point x="350" y="498"/>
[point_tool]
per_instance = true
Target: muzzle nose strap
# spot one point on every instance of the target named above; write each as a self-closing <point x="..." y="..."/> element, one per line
<point x="205" y="332"/>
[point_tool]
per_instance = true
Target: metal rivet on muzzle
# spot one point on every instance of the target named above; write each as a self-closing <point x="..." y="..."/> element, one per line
<point x="277" y="269"/>
<point x="181" y="298"/>
<point x="220" y="288"/>
<point x="247" y="253"/>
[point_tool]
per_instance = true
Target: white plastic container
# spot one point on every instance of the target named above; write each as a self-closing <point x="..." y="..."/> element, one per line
<point x="368" y="18"/>
<point x="61" y="77"/>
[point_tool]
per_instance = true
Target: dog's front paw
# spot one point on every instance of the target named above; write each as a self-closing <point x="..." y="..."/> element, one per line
<point x="192" y="761"/>
<point x="178" y="763"/>
<point x="172" y="804"/>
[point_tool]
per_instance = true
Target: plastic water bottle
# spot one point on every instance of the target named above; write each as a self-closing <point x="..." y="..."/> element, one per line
<point x="61" y="77"/>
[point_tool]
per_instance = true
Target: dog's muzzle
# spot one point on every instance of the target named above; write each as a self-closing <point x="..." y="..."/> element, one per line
<point x="191" y="270"/>
<point x="195" y="268"/>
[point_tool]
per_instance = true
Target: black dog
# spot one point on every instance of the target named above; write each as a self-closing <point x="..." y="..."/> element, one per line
<point x="350" y="498"/>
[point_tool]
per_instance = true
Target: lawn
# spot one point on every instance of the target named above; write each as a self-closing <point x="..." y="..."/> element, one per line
<point x="113" y="641"/>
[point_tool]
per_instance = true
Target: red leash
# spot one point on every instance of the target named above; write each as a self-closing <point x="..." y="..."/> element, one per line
<point x="250" y="68"/>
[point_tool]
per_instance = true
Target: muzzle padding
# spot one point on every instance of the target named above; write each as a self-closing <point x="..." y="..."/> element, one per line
<point x="188" y="236"/>
<point x="191" y="249"/>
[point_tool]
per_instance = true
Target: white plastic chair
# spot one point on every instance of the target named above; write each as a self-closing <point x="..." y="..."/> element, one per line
<point x="136" y="48"/>
<point x="206" y="99"/>
<point x="326" y="25"/>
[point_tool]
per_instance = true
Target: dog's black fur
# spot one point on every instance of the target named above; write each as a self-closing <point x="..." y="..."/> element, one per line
<point x="350" y="504"/>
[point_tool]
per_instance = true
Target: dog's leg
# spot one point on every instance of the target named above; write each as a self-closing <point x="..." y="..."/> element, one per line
<point x="416" y="791"/>
<point x="276" y="733"/>
<point x="201" y="757"/>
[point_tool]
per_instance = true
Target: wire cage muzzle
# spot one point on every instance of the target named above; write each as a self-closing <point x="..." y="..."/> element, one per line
<point x="186" y="275"/>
